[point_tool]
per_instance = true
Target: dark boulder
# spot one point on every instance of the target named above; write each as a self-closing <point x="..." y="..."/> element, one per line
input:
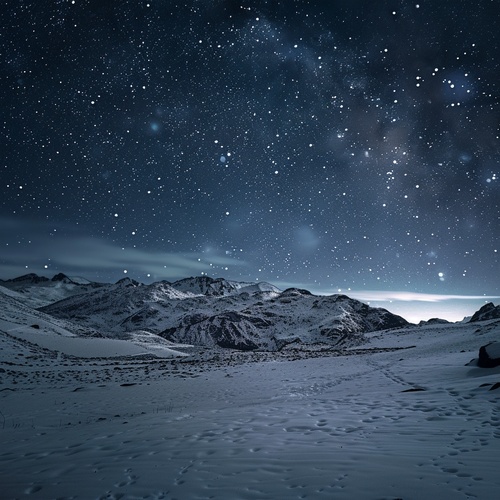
<point x="489" y="355"/>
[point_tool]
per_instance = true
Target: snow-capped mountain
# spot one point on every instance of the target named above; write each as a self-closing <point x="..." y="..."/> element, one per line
<point x="16" y="315"/>
<point x="24" y="329"/>
<point x="107" y="307"/>
<point x="38" y="291"/>
<point x="208" y="312"/>
<point x="128" y="305"/>
<point x="294" y="316"/>
<point x="211" y="312"/>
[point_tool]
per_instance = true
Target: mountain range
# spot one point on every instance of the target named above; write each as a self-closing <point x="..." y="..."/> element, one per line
<point x="200" y="311"/>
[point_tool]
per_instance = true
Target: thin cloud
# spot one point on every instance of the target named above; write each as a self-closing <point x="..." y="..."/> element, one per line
<point x="391" y="296"/>
<point x="83" y="254"/>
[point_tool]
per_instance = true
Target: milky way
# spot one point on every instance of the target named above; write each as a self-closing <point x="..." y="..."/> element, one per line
<point x="334" y="145"/>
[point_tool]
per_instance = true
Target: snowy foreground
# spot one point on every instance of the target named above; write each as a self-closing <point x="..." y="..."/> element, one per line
<point x="254" y="426"/>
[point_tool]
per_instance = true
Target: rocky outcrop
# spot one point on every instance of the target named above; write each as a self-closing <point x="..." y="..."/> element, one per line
<point x="488" y="311"/>
<point x="489" y="355"/>
<point x="230" y="330"/>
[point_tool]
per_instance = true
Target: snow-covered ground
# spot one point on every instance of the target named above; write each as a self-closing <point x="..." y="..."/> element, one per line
<point x="215" y="425"/>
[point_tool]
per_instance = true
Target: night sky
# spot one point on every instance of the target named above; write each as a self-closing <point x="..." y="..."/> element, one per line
<point x="333" y="145"/>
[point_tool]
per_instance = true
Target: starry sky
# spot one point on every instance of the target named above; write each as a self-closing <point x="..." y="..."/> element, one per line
<point x="342" y="145"/>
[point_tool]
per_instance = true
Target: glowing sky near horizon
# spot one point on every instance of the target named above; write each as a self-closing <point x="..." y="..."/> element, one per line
<point x="342" y="145"/>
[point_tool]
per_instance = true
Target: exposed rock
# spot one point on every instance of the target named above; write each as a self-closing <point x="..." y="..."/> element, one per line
<point x="38" y="291"/>
<point x="488" y="311"/>
<point x="489" y="355"/>
<point x="230" y="330"/>
<point x="127" y="282"/>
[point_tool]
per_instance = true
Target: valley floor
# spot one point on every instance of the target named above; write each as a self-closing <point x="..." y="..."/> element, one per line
<point x="328" y="427"/>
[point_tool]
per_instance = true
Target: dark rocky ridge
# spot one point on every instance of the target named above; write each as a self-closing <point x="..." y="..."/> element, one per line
<point x="488" y="311"/>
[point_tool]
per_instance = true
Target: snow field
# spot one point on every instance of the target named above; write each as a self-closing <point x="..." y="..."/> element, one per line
<point x="330" y="427"/>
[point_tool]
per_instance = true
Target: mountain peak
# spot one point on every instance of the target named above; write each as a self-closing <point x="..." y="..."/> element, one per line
<point x="61" y="277"/>
<point x="127" y="282"/>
